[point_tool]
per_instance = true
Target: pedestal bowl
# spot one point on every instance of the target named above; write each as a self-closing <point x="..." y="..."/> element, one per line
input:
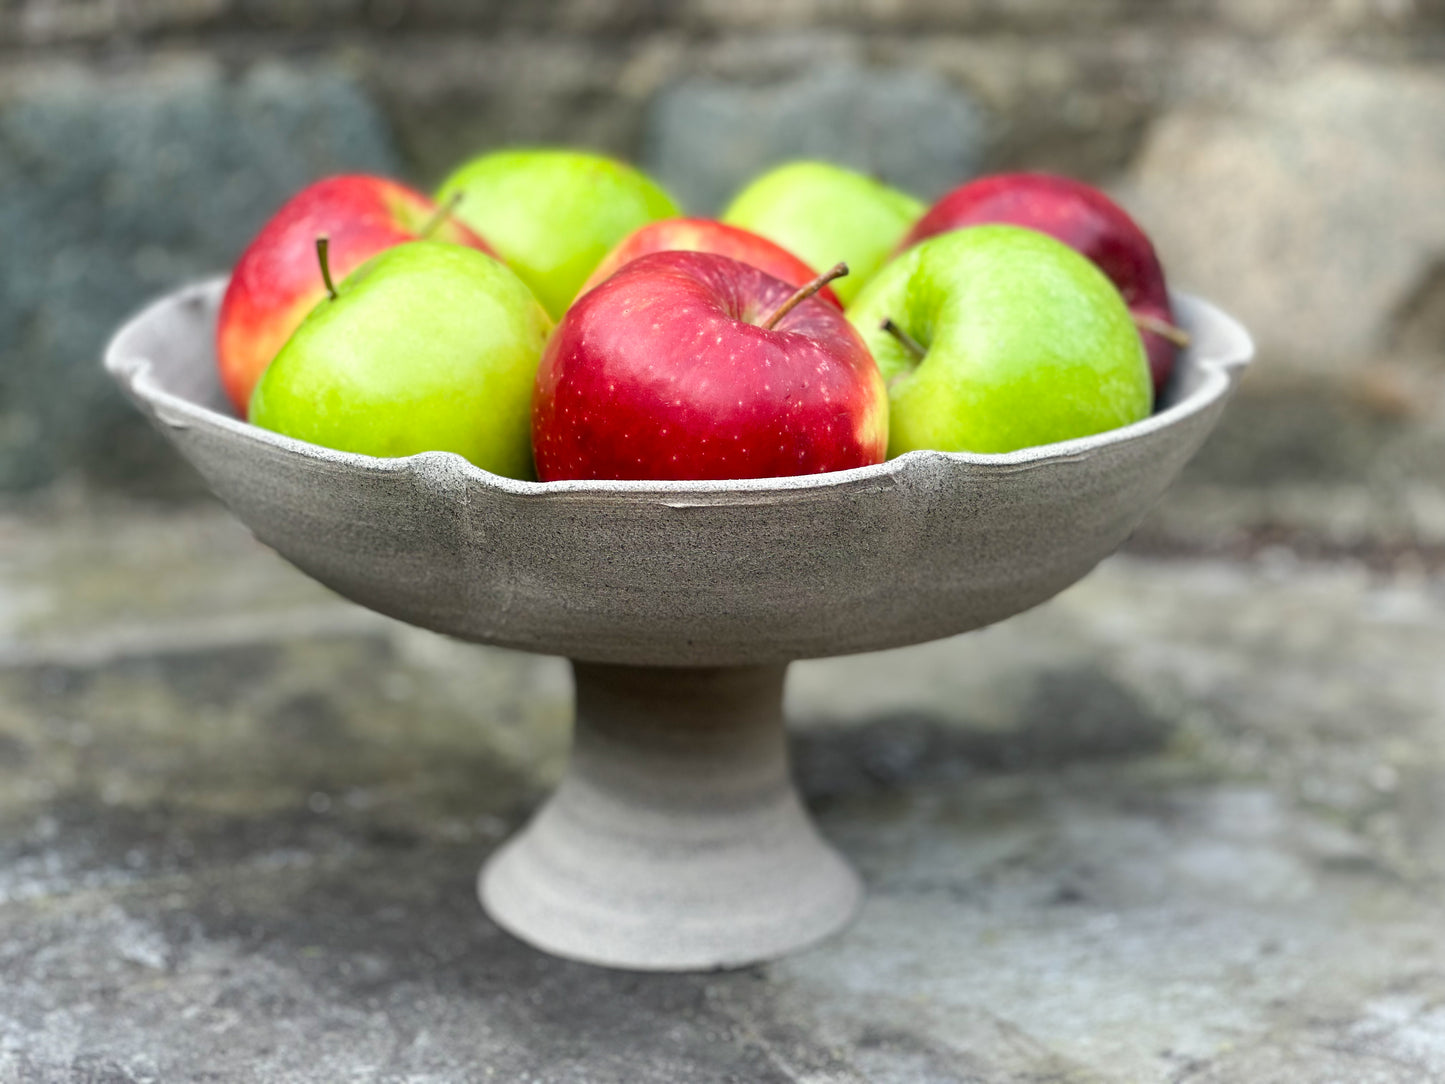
<point x="676" y="840"/>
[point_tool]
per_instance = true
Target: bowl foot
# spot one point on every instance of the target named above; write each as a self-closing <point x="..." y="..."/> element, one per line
<point x="676" y="841"/>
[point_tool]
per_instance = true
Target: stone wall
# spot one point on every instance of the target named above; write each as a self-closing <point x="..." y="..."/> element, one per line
<point x="1288" y="155"/>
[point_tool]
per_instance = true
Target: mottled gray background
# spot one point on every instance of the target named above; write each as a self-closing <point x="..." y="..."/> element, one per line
<point x="1288" y="155"/>
<point x="1185" y="824"/>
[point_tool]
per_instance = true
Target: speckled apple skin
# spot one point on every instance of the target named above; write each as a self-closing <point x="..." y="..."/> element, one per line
<point x="1082" y="217"/>
<point x="664" y="372"/>
<point x="705" y="235"/>
<point x="277" y="280"/>
<point x="1027" y="343"/>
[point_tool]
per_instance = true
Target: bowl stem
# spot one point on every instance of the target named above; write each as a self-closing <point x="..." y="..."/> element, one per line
<point x="676" y="840"/>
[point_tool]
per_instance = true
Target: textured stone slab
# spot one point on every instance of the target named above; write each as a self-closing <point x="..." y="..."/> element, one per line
<point x="250" y="854"/>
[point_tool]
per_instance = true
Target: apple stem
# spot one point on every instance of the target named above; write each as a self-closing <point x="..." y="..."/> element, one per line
<point x="837" y="271"/>
<point x="323" y="243"/>
<point x="1177" y="335"/>
<point x="907" y="341"/>
<point x="442" y="214"/>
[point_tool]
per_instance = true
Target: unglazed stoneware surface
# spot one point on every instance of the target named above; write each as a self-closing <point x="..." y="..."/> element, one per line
<point x="676" y="840"/>
<point x="679" y="573"/>
<point x="676" y="837"/>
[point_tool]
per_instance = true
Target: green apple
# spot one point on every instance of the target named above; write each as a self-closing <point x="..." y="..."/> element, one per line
<point x="822" y="214"/>
<point x="1001" y="338"/>
<point x="553" y="214"/>
<point x="427" y="346"/>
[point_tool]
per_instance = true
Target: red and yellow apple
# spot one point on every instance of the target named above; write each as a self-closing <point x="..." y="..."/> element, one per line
<point x="277" y="282"/>
<point x="706" y="235"/>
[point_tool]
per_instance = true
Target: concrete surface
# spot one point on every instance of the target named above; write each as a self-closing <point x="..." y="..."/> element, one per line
<point x="1186" y="823"/>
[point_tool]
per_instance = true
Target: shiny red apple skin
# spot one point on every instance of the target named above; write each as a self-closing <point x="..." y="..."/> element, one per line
<point x="1080" y="216"/>
<point x="277" y="280"/>
<point x="706" y="235"/>
<point x="663" y="371"/>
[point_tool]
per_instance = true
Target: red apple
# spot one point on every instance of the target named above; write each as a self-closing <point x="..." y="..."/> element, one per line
<point x="705" y="235"/>
<point x="276" y="282"/>
<point x="1085" y="219"/>
<point x="689" y="365"/>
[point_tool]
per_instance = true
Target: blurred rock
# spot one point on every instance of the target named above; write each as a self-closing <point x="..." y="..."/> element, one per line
<point x="65" y="21"/>
<point x="1322" y="467"/>
<point x="1287" y="156"/>
<point x="450" y="98"/>
<point x="1307" y="201"/>
<point x="116" y="186"/>
<point x="1309" y="204"/>
<point x="706" y="137"/>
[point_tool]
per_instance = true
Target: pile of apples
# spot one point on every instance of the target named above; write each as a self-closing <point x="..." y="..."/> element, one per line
<point x="551" y="315"/>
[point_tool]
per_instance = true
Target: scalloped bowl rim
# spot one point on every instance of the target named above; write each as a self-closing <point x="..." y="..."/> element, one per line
<point x="136" y="372"/>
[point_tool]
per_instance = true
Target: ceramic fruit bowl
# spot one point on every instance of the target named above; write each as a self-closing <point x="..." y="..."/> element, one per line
<point x="676" y="840"/>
